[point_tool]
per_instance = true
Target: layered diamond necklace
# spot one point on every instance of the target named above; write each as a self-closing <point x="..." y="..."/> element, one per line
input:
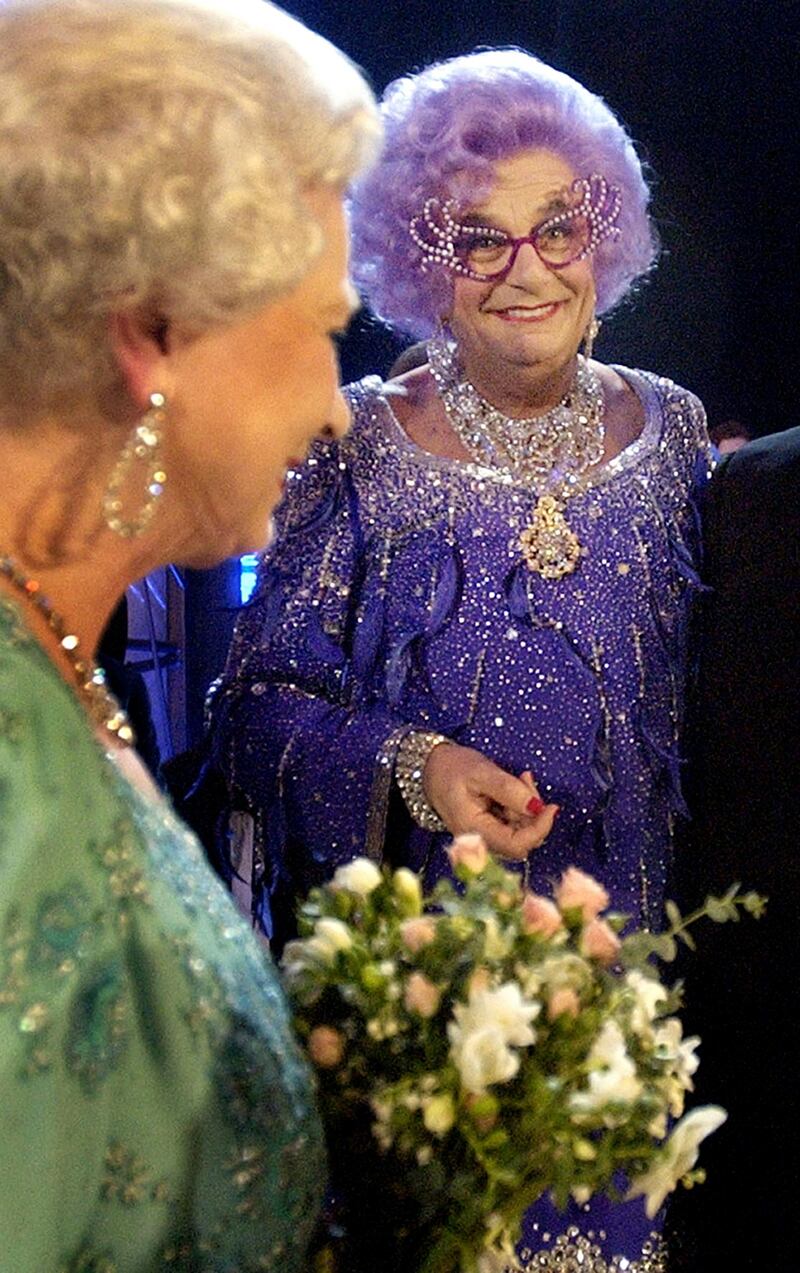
<point x="548" y="453"/>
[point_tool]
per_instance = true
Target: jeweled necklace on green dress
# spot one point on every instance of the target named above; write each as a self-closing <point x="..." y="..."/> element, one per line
<point x="549" y="452"/>
<point x="90" y="679"/>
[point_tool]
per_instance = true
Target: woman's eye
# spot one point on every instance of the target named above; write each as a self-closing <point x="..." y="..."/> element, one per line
<point x="557" y="233"/>
<point x="481" y="244"/>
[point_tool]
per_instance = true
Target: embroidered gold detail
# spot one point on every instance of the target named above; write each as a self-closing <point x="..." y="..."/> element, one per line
<point x="126" y="881"/>
<point x="128" y="1180"/>
<point x="548" y="545"/>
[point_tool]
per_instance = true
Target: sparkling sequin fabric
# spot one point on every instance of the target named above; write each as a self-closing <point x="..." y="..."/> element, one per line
<point x="394" y="596"/>
<point x="155" y="1113"/>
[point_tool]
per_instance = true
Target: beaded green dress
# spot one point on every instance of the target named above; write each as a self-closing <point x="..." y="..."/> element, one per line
<point x="155" y="1113"/>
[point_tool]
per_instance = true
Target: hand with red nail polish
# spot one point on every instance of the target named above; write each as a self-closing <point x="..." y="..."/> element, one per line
<point x="473" y="794"/>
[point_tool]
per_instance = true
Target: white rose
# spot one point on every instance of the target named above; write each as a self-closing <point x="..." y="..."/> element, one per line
<point x="483" y="1057"/>
<point x="359" y="876"/>
<point x="612" y="1076"/>
<point x="333" y="933"/>
<point x="647" y="994"/>
<point x="678" y="1156"/>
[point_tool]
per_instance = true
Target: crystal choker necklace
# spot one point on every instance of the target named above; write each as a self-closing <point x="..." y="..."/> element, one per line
<point x="549" y="453"/>
<point x="90" y="679"/>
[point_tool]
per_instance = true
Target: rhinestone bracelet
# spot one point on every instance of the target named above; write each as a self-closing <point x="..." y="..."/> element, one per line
<point x="412" y="753"/>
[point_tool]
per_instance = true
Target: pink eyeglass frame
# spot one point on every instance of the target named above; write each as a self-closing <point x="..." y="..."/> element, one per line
<point x="437" y="231"/>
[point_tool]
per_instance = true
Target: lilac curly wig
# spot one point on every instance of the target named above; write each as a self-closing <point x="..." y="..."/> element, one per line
<point x="445" y="129"/>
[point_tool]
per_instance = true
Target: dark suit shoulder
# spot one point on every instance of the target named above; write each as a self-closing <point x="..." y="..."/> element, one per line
<point x="777" y="455"/>
<point x="752" y="509"/>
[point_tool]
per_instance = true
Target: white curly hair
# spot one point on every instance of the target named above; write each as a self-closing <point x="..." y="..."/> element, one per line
<point x="154" y="153"/>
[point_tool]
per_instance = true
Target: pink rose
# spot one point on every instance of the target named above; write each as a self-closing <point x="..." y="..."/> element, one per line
<point x="325" y="1047"/>
<point x="470" y="852"/>
<point x="578" y="891"/>
<point x="540" y="915"/>
<point x="563" y="1002"/>
<point x="600" y="942"/>
<point x="479" y="980"/>
<point x="418" y="932"/>
<point x="421" y="995"/>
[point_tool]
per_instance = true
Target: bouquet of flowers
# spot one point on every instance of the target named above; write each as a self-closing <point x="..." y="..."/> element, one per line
<point x="487" y="1046"/>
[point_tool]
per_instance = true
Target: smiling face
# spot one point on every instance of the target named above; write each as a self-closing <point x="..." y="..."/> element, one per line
<point x="528" y="325"/>
<point x="248" y="400"/>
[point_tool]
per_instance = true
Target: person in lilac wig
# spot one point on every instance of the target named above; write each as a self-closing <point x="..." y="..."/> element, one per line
<point x="474" y="614"/>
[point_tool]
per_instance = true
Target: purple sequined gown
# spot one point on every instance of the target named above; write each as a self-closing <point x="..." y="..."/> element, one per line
<point x="395" y="596"/>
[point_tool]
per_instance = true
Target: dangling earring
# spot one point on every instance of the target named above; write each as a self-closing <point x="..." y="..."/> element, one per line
<point x="590" y="336"/>
<point x="144" y="444"/>
<point x="442" y="335"/>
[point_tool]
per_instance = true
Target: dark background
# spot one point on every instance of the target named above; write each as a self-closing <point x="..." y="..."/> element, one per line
<point x="708" y="89"/>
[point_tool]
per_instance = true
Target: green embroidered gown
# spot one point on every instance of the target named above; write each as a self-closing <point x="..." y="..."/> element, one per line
<point x="155" y="1113"/>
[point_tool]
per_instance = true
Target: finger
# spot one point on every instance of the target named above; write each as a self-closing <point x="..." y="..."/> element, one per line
<point x="535" y="804"/>
<point x="516" y="842"/>
<point x="494" y="784"/>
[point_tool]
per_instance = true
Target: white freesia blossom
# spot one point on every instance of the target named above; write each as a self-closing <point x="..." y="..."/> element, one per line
<point x="319" y="948"/>
<point x="484" y="1030"/>
<point x="334" y="933"/>
<point x="671" y="1045"/>
<point x="647" y="994"/>
<point x="483" y="1057"/>
<point x="359" y="876"/>
<point x="679" y="1156"/>
<point x="612" y="1076"/>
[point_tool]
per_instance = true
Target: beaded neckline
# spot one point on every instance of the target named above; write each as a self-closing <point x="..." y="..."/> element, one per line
<point x="551" y="450"/>
<point x="643" y="384"/>
<point x="89" y="678"/>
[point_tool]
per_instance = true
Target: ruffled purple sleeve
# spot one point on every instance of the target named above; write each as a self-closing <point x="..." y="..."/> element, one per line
<point x="307" y="752"/>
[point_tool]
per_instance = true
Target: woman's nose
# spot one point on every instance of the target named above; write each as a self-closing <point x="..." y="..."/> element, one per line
<point x="527" y="266"/>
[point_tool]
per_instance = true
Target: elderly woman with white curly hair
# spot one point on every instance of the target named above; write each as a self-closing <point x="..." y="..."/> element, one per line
<point x="173" y="267"/>
<point x="475" y="615"/>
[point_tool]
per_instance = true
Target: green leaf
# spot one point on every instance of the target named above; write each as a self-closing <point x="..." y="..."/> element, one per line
<point x="673" y="914"/>
<point x="718" y="910"/>
<point x="665" y="947"/>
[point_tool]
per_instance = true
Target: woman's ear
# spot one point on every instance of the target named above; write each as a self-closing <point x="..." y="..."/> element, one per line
<point x="140" y="346"/>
